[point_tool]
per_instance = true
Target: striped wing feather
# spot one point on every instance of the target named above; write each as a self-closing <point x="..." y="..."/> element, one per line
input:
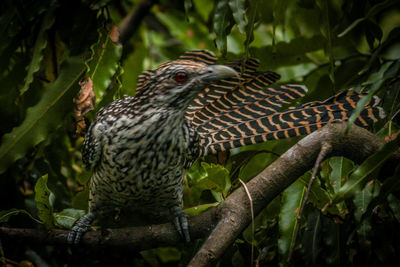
<point x="227" y="94"/>
<point x="294" y="121"/>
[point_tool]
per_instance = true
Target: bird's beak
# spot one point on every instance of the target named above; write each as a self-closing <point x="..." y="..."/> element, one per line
<point x="218" y="72"/>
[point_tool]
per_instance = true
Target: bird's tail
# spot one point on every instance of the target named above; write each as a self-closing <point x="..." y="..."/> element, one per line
<point x="257" y="121"/>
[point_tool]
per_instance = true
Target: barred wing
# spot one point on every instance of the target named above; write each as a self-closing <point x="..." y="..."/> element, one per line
<point x="245" y="125"/>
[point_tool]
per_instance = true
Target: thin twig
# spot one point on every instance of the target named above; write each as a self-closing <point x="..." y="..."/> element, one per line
<point x="252" y="220"/>
<point x="325" y="150"/>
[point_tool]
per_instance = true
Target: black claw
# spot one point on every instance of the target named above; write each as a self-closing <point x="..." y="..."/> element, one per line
<point x="81" y="226"/>
<point x="181" y="223"/>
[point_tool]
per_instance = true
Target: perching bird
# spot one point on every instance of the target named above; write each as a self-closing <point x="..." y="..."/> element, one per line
<point x="140" y="147"/>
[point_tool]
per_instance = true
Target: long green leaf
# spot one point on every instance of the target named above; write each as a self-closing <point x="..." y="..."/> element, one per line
<point x="312" y="237"/>
<point x="341" y="167"/>
<point x="291" y="202"/>
<point x="132" y="66"/>
<point x="372" y="12"/>
<point x="40" y="45"/>
<point x="377" y="80"/>
<point x="68" y="217"/>
<point x="45" y="209"/>
<point x="361" y="174"/>
<point x="239" y="14"/>
<point x="249" y="29"/>
<point x="104" y="62"/>
<point x="326" y="31"/>
<point x="45" y="116"/>
<point x="222" y="22"/>
<point x="361" y="201"/>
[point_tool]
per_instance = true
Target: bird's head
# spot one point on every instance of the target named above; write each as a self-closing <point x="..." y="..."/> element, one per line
<point x="177" y="82"/>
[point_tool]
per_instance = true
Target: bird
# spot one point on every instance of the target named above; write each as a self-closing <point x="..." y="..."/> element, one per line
<point x="140" y="147"/>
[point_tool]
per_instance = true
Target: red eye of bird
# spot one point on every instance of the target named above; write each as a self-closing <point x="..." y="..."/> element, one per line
<point x="181" y="77"/>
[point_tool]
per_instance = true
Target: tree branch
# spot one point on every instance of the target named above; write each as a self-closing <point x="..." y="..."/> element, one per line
<point x="231" y="217"/>
<point x="132" y="21"/>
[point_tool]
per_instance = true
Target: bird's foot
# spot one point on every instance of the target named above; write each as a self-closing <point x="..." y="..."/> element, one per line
<point x="82" y="226"/>
<point x="181" y="223"/>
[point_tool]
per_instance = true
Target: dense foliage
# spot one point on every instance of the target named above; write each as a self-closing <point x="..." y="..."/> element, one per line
<point x="353" y="214"/>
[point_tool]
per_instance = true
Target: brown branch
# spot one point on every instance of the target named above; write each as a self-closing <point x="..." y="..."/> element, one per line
<point x="135" y="238"/>
<point x="131" y="22"/>
<point x="231" y="217"/>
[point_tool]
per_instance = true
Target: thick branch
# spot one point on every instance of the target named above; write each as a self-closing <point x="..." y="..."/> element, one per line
<point x="230" y="218"/>
<point x="135" y="238"/>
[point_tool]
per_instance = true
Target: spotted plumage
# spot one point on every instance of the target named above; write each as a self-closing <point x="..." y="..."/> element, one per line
<point x="139" y="147"/>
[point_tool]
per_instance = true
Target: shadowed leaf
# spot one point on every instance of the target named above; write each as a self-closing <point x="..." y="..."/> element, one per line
<point x="45" y="209"/>
<point x="291" y="202"/>
<point x="45" y="116"/>
<point x="40" y="45"/>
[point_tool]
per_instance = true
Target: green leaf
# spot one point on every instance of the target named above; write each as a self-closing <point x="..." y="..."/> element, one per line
<point x="6" y="214"/>
<point x="200" y="208"/>
<point x="104" y="62"/>
<point x="45" y="116"/>
<point x="239" y="14"/>
<point x="211" y="177"/>
<point x="361" y="175"/>
<point x="80" y="200"/>
<point x="362" y="199"/>
<point x="391" y="184"/>
<point x="394" y="204"/>
<point x="371" y="13"/>
<point x="40" y="45"/>
<point x="287" y="53"/>
<point x="377" y="80"/>
<point x="133" y="67"/>
<point x="255" y="164"/>
<point x="326" y="31"/>
<point x="68" y="217"/>
<point x="332" y="240"/>
<point x="222" y="24"/>
<point x="341" y="168"/>
<point x="392" y="38"/>
<point x="42" y="199"/>
<point x="216" y="179"/>
<point x="312" y="237"/>
<point x="249" y="29"/>
<point x="319" y="197"/>
<point x="291" y="202"/>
